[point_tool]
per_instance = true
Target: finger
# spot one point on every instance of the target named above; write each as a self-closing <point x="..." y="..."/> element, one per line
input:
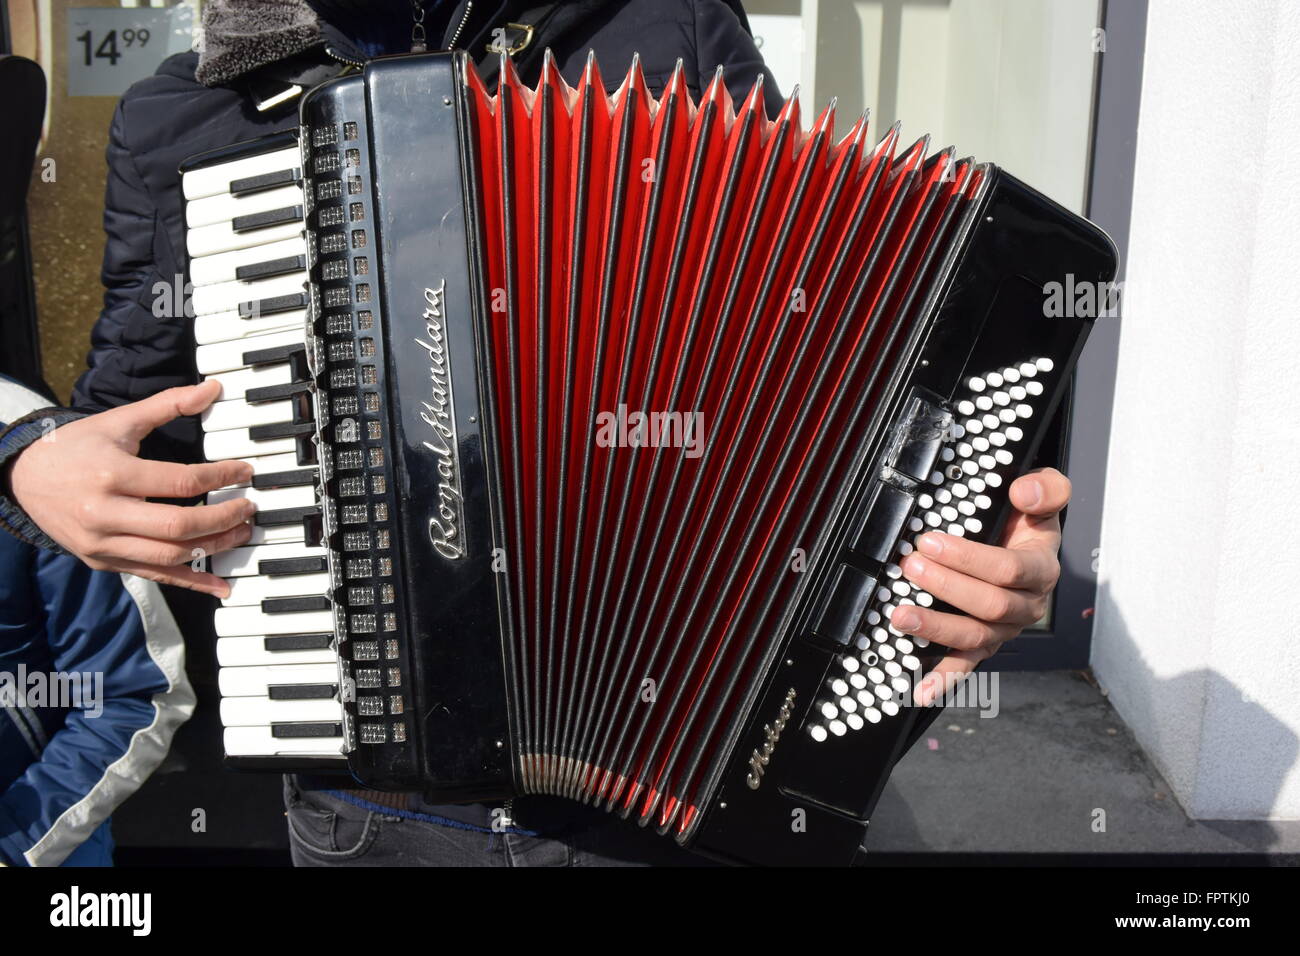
<point x="140" y="418"/>
<point x="140" y="478"/>
<point x="121" y="549"/>
<point x="956" y="631"/>
<point x="1044" y="491"/>
<point x="179" y="575"/>
<point x="1029" y="566"/>
<point x="978" y="598"/>
<point x="946" y="675"/>
<point x="1043" y="531"/>
<point x="178" y="523"/>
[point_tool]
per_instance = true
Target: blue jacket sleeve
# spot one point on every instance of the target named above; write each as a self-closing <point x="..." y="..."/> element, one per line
<point x="119" y="658"/>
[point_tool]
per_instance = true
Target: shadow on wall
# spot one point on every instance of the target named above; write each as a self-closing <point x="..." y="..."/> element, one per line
<point x="1198" y="716"/>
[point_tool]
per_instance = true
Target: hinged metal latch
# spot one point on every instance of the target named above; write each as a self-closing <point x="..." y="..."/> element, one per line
<point x="511" y="39"/>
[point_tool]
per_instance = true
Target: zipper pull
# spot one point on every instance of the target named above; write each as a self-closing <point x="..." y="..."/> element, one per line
<point x="419" y="41"/>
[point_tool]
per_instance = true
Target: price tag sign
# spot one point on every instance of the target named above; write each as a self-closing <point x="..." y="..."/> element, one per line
<point x="109" y="48"/>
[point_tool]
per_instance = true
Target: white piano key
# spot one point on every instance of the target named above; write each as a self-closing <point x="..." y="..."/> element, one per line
<point x="229" y="326"/>
<point x="250" y="651"/>
<point x="247" y="591"/>
<point x="238" y="413"/>
<point x="235" y="384"/>
<point x="274" y="464"/>
<point x="241" y="562"/>
<point x="221" y="237"/>
<point x="257" y="681"/>
<point x="238" y="621"/>
<point x="270" y="464"/>
<point x="262" y="711"/>
<point x="229" y="296"/>
<point x="259" y="742"/>
<point x="277" y="534"/>
<point x="268" y="499"/>
<point x="224" y="207"/>
<point x="236" y="443"/>
<point x="229" y="356"/>
<point x="208" y="270"/>
<point x="215" y="179"/>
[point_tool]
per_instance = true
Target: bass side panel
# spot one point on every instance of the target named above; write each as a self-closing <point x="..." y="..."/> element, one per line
<point x="797" y="790"/>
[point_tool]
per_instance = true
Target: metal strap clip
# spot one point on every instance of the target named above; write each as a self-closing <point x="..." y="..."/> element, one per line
<point x="511" y="39"/>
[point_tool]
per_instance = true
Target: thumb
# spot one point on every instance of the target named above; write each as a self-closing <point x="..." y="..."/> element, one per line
<point x="1044" y="491"/>
<point x="138" y="419"/>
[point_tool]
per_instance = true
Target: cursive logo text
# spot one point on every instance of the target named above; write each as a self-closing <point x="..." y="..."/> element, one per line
<point x="448" y="521"/>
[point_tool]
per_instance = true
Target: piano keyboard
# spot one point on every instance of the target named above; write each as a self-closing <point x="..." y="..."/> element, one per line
<point x="279" y="670"/>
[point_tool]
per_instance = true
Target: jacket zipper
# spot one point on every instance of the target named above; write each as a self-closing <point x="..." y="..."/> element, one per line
<point x="451" y="44"/>
<point x="330" y="52"/>
<point x="508" y="814"/>
<point x="460" y="28"/>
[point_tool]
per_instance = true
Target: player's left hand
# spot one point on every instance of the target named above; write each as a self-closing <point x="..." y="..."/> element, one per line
<point x="1002" y="589"/>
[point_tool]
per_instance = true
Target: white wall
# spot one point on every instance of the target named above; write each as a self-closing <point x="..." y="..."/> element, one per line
<point x="1197" y="633"/>
<point x="1007" y="81"/>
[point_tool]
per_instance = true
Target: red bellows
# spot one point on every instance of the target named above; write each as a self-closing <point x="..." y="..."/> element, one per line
<point x="692" y="311"/>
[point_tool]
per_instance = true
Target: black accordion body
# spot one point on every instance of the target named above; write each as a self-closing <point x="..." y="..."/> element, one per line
<point x="589" y="431"/>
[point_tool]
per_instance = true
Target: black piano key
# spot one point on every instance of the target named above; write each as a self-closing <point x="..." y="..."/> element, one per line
<point x="285" y="479"/>
<point x="276" y="393"/>
<point x="290" y="731"/>
<point x="282" y="516"/>
<point x="302" y="691"/>
<point x="288" y="605"/>
<point x="276" y="355"/>
<point x="305" y="449"/>
<point x="255" y="184"/>
<point x="297" y="642"/>
<point x="281" y="430"/>
<point x="271" y="268"/>
<point x="273" y="305"/>
<point x="264" y="220"/>
<point x="310" y="564"/>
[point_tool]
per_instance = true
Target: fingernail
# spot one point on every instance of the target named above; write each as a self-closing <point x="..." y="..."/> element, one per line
<point x="914" y="567"/>
<point x="925" y="692"/>
<point x="1033" y="493"/>
<point x="246" y="472"/>
<point x="905" y="619"/>
<point x="932" y="543"/>
<point x="249" y="509"/>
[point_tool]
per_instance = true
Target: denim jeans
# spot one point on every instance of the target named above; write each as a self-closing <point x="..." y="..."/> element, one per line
<point x="330" y="828"/>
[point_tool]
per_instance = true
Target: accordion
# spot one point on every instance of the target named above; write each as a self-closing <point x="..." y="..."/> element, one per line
<point x="588" y="432"/>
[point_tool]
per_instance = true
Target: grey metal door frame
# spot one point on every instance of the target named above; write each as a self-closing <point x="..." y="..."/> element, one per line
<point x="1116" y="101"/>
